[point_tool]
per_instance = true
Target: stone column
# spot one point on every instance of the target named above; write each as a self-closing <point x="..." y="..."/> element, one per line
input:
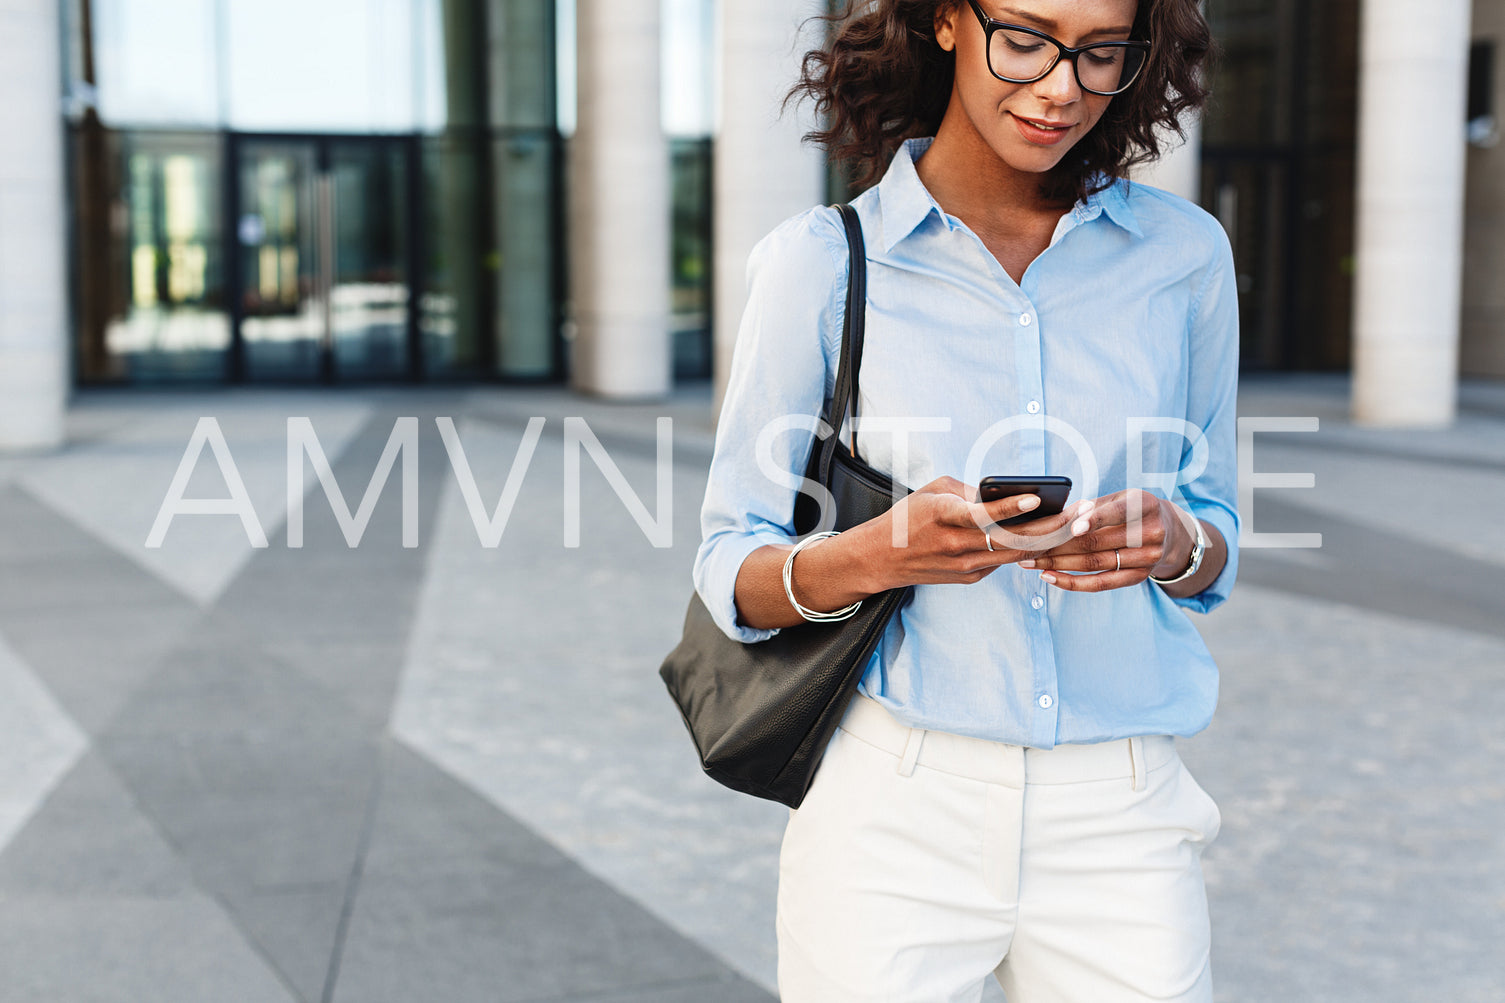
<point x="619" y="205"/>
<point x="1179" y="169"/>
<point x="1409" y="238"/>
<point x="33" y="301"/>
<point x="763" y="173"/>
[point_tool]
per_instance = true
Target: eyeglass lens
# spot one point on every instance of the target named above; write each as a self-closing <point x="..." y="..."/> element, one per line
<point x="1018" y="55"/>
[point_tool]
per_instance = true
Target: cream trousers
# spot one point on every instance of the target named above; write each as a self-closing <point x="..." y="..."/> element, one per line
<point x="922" y="863"/>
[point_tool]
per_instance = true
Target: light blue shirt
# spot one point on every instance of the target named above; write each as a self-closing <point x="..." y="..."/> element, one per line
<point x="1129" y="314"/>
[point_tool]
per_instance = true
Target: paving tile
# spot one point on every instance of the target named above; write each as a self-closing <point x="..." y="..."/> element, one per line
<point x="83" y="581"/>
<point x="88" y="621"/>
<point x="531" y="677"/>
<point x="429" y="824"/>
<point x="1356" y="765"/>
<point x="262" y="774"/>
<point x="361" y="672"/>
<point x="93" y="659"/>
<point x="297" y="927"/>
<point x="89" y="839"/>
<point x="214" y="684"/>
<point x="39" y="743"/>
<point x="506" y="936"/>
<point x="724" y="990"/>
<point x="250" y="815"/>
<point x="114" y="474"/>
<point x="128" y="950"/>
<point x="35" y="534"/>
<point x="1374" y="569"/>
<point x="458" y="901"/>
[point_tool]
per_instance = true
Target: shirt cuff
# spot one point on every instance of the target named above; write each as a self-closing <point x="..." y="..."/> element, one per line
<point x="717" y="582"/>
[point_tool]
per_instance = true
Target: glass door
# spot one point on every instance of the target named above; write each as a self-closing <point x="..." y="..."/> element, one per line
<point x="366" y="222"/>
<point x="323" y="245"/>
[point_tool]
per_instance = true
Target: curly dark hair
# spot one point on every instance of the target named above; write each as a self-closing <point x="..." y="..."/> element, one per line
<point x="883" y="78"/>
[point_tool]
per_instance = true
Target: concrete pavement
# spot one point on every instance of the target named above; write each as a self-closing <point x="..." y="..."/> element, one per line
<point x="450" y="772"/>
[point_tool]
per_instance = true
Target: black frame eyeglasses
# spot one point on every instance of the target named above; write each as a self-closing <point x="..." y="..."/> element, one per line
<point x="1123" y="50"/>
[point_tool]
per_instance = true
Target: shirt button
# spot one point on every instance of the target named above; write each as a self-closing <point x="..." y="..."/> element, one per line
<point x="1033" y="407"/>
<point x="1024" y="320"/>
<point x="1046" y="702"/>
<point x="1038" y="602"/>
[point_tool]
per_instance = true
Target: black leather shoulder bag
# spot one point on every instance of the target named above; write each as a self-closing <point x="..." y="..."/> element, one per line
<point x="761" y="714"/>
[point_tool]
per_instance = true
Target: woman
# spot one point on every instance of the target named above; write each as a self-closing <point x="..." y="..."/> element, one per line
<point x="1004" y="796"/>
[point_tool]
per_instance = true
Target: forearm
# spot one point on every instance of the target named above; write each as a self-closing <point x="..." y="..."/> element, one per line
<point x="828" y="575"/>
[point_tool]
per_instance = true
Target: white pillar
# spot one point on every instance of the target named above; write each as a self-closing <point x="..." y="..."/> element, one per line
<point x="619" y="205"/>
<point x="1409" y="238"/>
<point x="33" y="310"/>
<point x="1179" y="169"/>
<point x="763" y="173"/>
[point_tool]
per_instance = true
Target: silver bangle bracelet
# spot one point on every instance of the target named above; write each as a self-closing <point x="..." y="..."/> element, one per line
<point x="1194" y="563"/>
<point x="810" y="614"/>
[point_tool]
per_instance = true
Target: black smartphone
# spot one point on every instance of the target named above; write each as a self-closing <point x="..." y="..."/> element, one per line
<point x="1052" y="491"/>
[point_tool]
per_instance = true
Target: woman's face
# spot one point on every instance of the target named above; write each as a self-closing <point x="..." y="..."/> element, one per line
<point x="1030" y="127"/>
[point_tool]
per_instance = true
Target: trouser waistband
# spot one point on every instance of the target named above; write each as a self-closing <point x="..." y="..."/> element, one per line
<point x="1010" y="765"/>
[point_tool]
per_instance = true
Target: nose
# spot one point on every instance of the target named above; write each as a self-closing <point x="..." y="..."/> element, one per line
<point x="1059" y="86"/>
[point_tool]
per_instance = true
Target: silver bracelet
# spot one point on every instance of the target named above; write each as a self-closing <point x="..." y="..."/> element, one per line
<point x="810" y="614"/>
<point x="1198" y="551"/>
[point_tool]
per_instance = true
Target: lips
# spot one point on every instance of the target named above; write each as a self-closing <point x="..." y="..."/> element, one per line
<point x="1042" y="132"/>
<point x="1043" y="124"/>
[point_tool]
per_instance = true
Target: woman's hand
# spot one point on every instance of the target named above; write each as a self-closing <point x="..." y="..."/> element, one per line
<point x="934" y="536"/>
<point x="1099" y="556"/>
<point x="941" y="534"/>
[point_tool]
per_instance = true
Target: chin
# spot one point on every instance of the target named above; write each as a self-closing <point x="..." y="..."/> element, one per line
<point x="1031" y="160"/>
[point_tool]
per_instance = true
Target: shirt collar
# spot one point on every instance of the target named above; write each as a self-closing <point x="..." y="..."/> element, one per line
<point x="1113" y="201"/>
<point x="903" y="200"/>
<point x="904" y="203"/>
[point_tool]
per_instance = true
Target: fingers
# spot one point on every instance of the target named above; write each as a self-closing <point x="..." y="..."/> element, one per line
<point x="981" y="515"/>
<point x="1109" y="538"/>
<point x="1038" y="535"/>
<point x="1136" y="513"/>
<point x="998" y="510"/>
<point x="1096" y="561"/>
<point x="1096" y="583"/>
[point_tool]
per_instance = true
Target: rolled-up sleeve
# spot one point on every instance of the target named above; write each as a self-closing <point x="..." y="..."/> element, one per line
<point x="781" y="374"/>
<point x="1212" y="405"/>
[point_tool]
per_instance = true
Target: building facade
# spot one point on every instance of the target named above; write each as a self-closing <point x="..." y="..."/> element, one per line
<point x="346" y="191"/>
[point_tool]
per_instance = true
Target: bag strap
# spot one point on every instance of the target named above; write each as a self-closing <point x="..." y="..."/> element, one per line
<point x="853" y="330"/>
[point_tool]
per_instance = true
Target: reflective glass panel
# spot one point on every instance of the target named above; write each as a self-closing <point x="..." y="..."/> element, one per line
<point x="156" y="62"/>
<point x="330" y="65"/>
<point x="523" y="167"/>
<point x="449" y="313"/>
<point x="369" y="296"/>
<point x="283" y="316"/>
<point x="163" y="276"/>
<point x="690" y="296"/>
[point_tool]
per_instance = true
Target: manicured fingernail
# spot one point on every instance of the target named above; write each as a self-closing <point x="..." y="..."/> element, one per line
<point x="1026" y="564"/>
<point x="1080" y="526"/>
<point x="1028" y="502"/>
<point x="1047" y="577"/>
